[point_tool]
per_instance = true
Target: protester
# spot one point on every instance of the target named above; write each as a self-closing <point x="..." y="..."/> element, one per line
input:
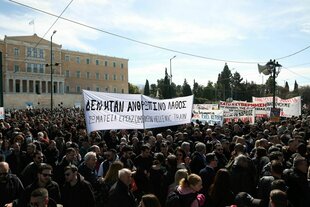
<point x="11" y="188"/>
<point x="76" y="192"/>
<point x="120" y="194"/>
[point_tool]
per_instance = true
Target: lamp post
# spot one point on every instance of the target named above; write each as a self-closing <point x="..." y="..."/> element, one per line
<point x="51" y="65"/>
<point x="273" y="66"/>
<point x="171" y="69"/>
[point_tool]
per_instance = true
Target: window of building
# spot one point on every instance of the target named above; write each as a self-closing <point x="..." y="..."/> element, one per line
<point x="16" y="68"/>
<point x="78" y="60"/>
<point x="78" y="89"/>
<point x="29" y="51"/>
<point x="41" y="68"/>
<point x="122" y="65"/>
<point x="106" y="63"/>
<point x="107" y="89"/>
<point x="41" y="53"/>
<point x="67" y="74"/>
<point x="78" y="74"/>
<point x="88" y="88"/>
<point x="114" y="77"/>
<point x="97" y="89"/>
<point x="35" y="68"/>
<point x="114" y="90"/>
<point x="87" y="75"/>
<point x="114" y="64"/>
<point x="35" y="52"/>
<point x="67" y="89"/>
<point x="106" y="76"/>
<point x="97" y="62"/>
<point x="16" y="51"/>
<point x="97" y="76"/>
<point x="67" y="58"/>
<point x="87" y="61"/>
<point x="28" y="67"/>
<point x="122" y="77"/>
<point x="123" y="91"/>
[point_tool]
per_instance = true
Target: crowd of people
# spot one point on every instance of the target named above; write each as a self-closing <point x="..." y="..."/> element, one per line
<point x="50" y="160"/>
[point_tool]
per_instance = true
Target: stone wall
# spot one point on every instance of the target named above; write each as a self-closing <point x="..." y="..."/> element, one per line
<point x="20" y="101"/>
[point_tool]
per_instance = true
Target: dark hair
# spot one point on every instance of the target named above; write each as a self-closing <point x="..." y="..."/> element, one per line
<point x="278" y="184"/>
<point x="73" y="168"/>
<point x="150" y="200"/>
<point x="278" y="198"/>
<point x="69" y="150"/>
<point x="220" y="188"/>
<point x="210" y="157"/>
<point x="277" y="167"/>
<point x="44" y="166"/>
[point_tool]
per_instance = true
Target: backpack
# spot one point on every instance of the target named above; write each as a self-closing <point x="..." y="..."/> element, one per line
<point x="175" y="199"/>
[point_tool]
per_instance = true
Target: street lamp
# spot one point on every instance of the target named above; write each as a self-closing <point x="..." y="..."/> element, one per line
<point x="51" y="65"/>
<point x="171" y="69"/>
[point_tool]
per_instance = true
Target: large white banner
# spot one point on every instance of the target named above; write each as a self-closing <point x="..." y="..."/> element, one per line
<point x="134" y="111"/>
<point x="289" y="107"/>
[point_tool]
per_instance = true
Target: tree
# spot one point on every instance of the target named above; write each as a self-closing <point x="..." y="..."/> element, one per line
<point x="305" y="94"/>
<point x="284" y="91"/>
<point x="295" y="91"/>
<point x="236" y="85"/>
<point x="132" y="89"/>
<point x="186" y="89"/>
<point x="198" y="93"/>
<point x="224" y="82"/>
<point x="146" y="88"/>
<point x="165" y="89"/>
<point x="153" y="90"/>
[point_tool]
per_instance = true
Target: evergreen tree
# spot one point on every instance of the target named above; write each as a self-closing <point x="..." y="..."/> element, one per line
<point x="295" y="91"/>
<point x="165" y="89"/>
<point x="153" y="90"/>
<point x="186" y="89"/>
<point x="224" y="82"/>
<point x="236" y="86"/>
<point x="146" y="88"/>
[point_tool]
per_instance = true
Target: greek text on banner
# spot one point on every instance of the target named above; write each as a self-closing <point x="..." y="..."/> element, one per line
<point x="134" y="111"/>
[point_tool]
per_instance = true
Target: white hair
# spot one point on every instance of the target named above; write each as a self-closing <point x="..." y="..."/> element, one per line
<point x="89" y="155"/>
<point x="123" y="172"/>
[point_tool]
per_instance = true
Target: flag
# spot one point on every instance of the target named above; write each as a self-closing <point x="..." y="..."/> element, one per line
<point x="31" y="22"/>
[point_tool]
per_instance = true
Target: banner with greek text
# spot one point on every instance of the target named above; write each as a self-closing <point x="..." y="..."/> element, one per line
<point x="288" y="107"/>
<point x="209" y="116"/>
<point x="244" y="111"/>
<point x="134" y="111"/>
<point x="260" y="108"/>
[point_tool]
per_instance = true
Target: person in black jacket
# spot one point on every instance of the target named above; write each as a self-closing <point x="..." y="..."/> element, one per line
<point x="298" y="192"/>
<point x="43" y="181"/>
<point x="10" y="186"/>
<point x="76" y="192"/>
<point x="120" y="194"/>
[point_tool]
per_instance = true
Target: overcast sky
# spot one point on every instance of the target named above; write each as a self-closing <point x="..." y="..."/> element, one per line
<point x="232" y="31"/>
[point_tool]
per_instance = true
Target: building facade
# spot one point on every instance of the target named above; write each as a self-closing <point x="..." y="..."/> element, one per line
<point x="27" y="62"/>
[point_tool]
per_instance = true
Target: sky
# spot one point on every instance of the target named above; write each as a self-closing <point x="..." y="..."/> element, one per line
<point x="202" y="34"/>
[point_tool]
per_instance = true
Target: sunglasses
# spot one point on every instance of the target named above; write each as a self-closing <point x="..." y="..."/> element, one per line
<point x="47" y="175"/>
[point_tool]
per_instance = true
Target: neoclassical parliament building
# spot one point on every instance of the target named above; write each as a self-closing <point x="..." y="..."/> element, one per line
<point x="26" y="65"/>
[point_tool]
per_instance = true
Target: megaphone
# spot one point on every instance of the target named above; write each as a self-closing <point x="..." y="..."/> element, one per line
<point x="265" y="69"/>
